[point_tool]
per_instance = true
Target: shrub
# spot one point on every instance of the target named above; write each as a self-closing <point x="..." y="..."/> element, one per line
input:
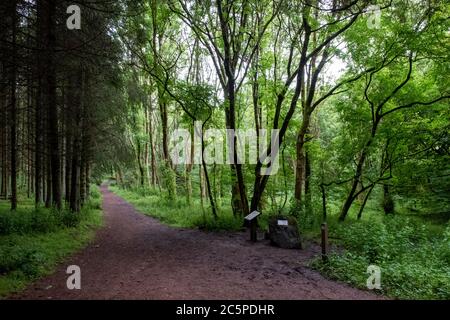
<point x="226" y="221"/>
<point x="43" y="220"/>
<point x="20" y="259"/>
<point x="413" y="258"/>
<point x="33" y="240"/>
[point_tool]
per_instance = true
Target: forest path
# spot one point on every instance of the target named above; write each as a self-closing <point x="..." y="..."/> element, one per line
<point x="136" y="257"/>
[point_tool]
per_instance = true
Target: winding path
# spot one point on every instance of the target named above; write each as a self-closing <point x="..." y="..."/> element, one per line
<point x="136" y="257"/>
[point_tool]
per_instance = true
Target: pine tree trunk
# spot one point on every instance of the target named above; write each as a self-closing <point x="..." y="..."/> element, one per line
<point x="88" y="180"/>
<point x="77" y="87"/>
<point x="13" y="120"/>
<point x="68" y="170"/>
<point x="52" y="107"/>
<point x="48" y="195"/>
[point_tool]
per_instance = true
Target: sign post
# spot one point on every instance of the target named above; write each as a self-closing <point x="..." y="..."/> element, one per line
<point x="324" y="231"/>
<point x="252" y="218"/>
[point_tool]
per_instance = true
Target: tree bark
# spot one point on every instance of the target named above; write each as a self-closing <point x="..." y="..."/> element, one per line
<point x="356" y="180"/>
<point x="388" y="202"/>
<point x="13" y="119"/>
<point x="300" y="157"/>
<point x="363" y="205"/>
<point x="76" y="101"/>
<point x="38" y="148"/>
<point x="48" y="25"/>
<point x="152" y="147"/>
<point x="52" y="107"/>
<point x="308" y="195"/>
<point x="48" y="184"/>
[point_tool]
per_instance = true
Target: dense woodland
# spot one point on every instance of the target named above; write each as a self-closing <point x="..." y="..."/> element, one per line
<point x="360" y="98"/>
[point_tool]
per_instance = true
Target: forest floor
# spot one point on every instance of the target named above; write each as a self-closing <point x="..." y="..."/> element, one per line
<point x="136" y="257"/>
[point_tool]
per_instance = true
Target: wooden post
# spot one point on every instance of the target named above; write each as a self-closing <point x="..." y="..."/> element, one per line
<point x="253" y="227"/>
<point x="252" y="219"/>
<point x="324" y="231"/>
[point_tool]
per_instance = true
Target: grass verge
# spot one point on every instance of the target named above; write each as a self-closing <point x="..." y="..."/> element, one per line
<point x="178" y="213"/>
<point x="33" y="242"/>
<point x="413" y="255"/>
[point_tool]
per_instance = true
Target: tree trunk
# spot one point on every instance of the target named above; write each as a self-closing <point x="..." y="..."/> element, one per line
<point x="48" y="185"/>
<point x="88" y="180"/>
<point x="13" y="120"/>
<point x="388" y="202"/>
<point x="140" y="166"/>
<point x="47" y="18"/>
<point x="188" y="182"/>
<point x="83" y="174"/>
<point x="76" y="103"/>
<point x="202" y="192"/>
<point x="308" y="196"/>
<point x="146" y="146"/>
<point x="75" y="179"/>
<point x="366" y="197"/>
<point x="29" y="162"/>
<point x="68" y="171"/>
<point x="38" y="148"/>
<point x="356" y="180"/>
<point x="358" y="173"/>
<point x="3" y="133"/>
<point x="53" y="108"/>
<point x="300" y="158"/>
<point x="152" y="147"/>
<point x="239" y="194"/>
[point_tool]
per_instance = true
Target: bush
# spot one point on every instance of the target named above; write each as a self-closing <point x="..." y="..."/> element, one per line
<point x="413" y="258"/>
<point x="20" y="259"/>
<point x="226" y="221"/>
<point x="43" y="220"/>
<point x="33" y="240"/>
<point x="94" y="192"/>
<point x="39" y="220"/>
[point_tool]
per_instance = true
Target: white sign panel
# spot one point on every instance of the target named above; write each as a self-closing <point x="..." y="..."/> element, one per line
<point x="252" y="215"/>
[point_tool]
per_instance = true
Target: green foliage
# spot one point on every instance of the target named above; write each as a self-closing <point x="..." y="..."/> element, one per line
<point x="170" y="181"/>
<point x="197" y="99"/>
<point x="413" y="256"/>
<point x="176" y="213"/>
<point x="371" y="130"/>
<point x="42" y="220"/>
<point x="306" y="218"/>
<point x="33" y="241"/>
<point x="226" y="221"/>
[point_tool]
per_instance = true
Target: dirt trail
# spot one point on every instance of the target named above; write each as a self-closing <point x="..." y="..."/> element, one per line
<point x="136" y="257"/>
